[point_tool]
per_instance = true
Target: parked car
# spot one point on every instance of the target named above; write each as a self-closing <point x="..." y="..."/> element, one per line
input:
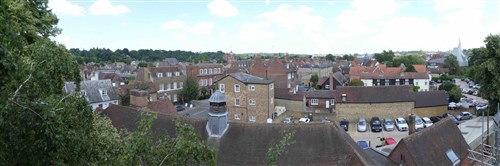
<point x="452" y="118"/>
<point x="344" y="124"/>
<point x="401" y="124"/>
<point x="363" y="144"/>
<point x="179" y="108"/>
<point x="388" y="124"/>
<point x="481" y="106"/>
<point x="464" y="116"/>
<point x="427" y="122"/>
<point x="288" y="120"/>
<point x="390" y="141"/>
<point x="376" y="124"/>
<point x="362" y="124"/>
<point x="419" y="124"/>
<point x="436" y="119"/>
<point x="452" y="106"/>
<point x="304" y="120"/>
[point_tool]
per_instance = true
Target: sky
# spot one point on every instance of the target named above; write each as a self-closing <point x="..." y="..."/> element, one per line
<point x="268" y="26"/>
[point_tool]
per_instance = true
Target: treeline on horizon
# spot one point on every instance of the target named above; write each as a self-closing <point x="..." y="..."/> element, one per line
<point x="105" y="55"/>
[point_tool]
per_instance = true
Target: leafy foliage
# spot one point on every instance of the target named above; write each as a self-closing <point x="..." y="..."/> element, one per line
<point x="314" y="80"/>
<point x="455" y="94"/>
<point x="447" y="86"/>
<point x="416" y="88"/>
<point x="356" y="82"/>
<point x="347" y="57"/>
<point x="451" y="63"/>
<point x="273" y="153"/>
<point x="410" y="68"/>
<point x="330" y="57"/>
<point x="407" y="60"/>
<point x="190" y="91"/>
<point x="384" y="57"/>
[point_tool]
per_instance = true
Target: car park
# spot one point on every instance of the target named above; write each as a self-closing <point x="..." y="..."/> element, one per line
<point x="464" y="116"/>
<point x="376" y="124"/>
<point x="344" y="124"/>
<point x="179" y="108"/>
<point x="388" y="124"/>
<point x="401" y="124"/>
<point x="362" y="124"/>
<point x="419" y="124"/>
<point x="390" y="141"/>
<point x="304" y="120"/>
<point x="481" y="106"/>
<point x="452" y="118"/>
<point x="452" y="106"/>
<point x="427" y="122"/>
<point x="436" y="119"/>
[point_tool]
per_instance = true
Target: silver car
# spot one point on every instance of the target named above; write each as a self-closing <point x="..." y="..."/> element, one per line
<point x="362" y="125"/>
<point x="388" y="124"/>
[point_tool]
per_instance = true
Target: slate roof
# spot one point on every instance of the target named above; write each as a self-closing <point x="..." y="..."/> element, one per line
<point x="171" y="61"/>
<point x="93" y="95"/>
<point x="340" y="77"/>
<point x="438" y="60"/>
<point x="323" y="94"/>
<point x="429" y="146"/>
<point x="250" y="79"/>
<point x="163" y="106"/>
<point x="375" y="94"/>
<point x="431" y="99"/>
<point x="284" y="93"/>
<point x="112" y="76"/>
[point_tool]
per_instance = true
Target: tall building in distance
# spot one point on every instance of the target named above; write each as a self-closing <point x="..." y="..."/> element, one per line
<point x="461" y="57"/>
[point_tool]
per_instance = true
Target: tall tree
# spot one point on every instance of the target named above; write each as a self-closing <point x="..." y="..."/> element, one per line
<point x="190" y="91"/>
<point x="451" y="63"/>
<point x="410" y="68"/>
<point x="356" y="82"/>
<point x="384" y="57"/>
<point x="486" y="71"/>
<point x="314" y="80"/>
<point x="330" y="57"/>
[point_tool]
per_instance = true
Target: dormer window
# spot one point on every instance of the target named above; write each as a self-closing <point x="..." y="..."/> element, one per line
<point x="159" y="75"/>
<point x="103" y="92"/>
<point x="83" y="92"/>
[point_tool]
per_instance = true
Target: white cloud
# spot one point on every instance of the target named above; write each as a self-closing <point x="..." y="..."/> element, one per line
<point x="286" y="17"/>
<point x="65" y="7"/>
<point x="254" y="32"/>
<point x="222" y="8"/>
<point x="202" y="28"/>
<point x="104" y="7"/>
<point x="175" y="24"/>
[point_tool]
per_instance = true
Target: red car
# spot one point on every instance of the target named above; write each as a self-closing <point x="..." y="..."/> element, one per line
<point x="390" y="141"/>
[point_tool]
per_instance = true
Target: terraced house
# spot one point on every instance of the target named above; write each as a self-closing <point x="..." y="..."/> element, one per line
<point x="206" y="74"/>
<point x="166" y="81"/>
<point x="249" y="98"/>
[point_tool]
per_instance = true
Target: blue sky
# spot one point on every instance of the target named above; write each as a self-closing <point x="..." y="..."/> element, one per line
<point x="244" y="26"/>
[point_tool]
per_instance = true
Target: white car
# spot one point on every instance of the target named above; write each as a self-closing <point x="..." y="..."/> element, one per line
<point x="362" y="125"/>
<point x="427" y="122"/>
<point x="401" y="124"/>
<point x="304" y="120"/>
<point x="419" y="124"/>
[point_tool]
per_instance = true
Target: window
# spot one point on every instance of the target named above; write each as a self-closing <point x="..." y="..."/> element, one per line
<point x="162" y="87"/>
<point x="83" y="92"/>
<point x="251" y="102"/>
<point x="251" y="118"/>
<point x="168" y="86"/>
<point x="416" y="83"/>
<point x="100" y="105"/>
<point x="169" y="97"/>
<point x="237" y="117"/>
<point x="219" y="70"/>
<point x="327" y="86"/>
<point x="452" y="157"/>
<point x="314" y="101"/>
<point x="221" y="88"/>
<point x="205" y="71"/>
<point x="177" y="73"/>
<point x="425" y="83"/>
<point x="236" y="88"/>
<point x="201" y="82"/>
<point x="159" y="75"/>
<point x="289" y="75"/>
<point x="271" y="86"/>
<point x="104" y="92"/>
<point x="237" y="102"/>
<point x="175" y="98"/>
<point x="201" y="71"/>
<point x="344" y="97"/>
<point x="332" y="101"/>
<point x="210" y="71"/>
<point x="181" y="84"/>
<point x="210" y="82"/>
<point x="169" y="74"/>
<point x="251" y="87"/>
<point x="175" y="85"/>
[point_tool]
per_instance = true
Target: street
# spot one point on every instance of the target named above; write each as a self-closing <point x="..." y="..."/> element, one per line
<point x="199" y="110"/>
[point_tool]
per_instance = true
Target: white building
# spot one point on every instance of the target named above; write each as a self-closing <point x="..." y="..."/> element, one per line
<point x="98" y="93"/>
<point x="461" y="57"/>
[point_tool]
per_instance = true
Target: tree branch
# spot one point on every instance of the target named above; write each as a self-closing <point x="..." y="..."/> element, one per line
<point x="24" y="82"/>
<point x="26" y="108"/>
<point x="168" y="154"/>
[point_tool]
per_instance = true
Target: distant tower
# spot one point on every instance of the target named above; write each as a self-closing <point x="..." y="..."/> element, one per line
<point x="461" y="57"/>
<point x="217" y="116"/>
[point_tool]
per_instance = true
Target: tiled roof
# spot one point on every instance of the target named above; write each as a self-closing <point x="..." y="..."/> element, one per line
<point x="112" y="76"/>
<point x="247" y="78"/>
<point x="93" y="90"/>
<point x="431" y="99"/>
<point x="375" y="94"/>
<point x="284" y="93"/>
<point x="324" y="94"/>
<point x="163" y="106"/>
<point x="383" y="72"/>
<point x="429" y="146"/>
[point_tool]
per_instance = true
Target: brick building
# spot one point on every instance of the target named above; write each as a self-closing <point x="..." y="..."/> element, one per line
<point x="249" y="98"/>
<point x="283" y="73"/>
<point x="206" y="74"/>
<point x="166" y="81"/>
<point x="389" y="76"/>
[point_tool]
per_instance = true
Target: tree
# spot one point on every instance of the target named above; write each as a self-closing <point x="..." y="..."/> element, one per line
<point x="407" y="60"/>
<point x="356" y="82"/>
<point x="446" y="85"/>
<point x="384" y="57"/>
<point x="451" y="63"/>
<point x="190" y="91"/>
<point x="410" y="68"/>
<point x="273" y="153"/>
<point x="348" y="57"/>
<point x="142" y="64"/>
<point x="416" y="88"/>
<point x="486" y="70"/>
<point x="314" y="80"/>
<point x="330" y="57"/>
<point x="455" y="94"/>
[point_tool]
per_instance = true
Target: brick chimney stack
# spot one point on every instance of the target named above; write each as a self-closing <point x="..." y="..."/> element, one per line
<point x="411" y="124"/>
<point x="330" y="83"/>
<point x="138" y="98"/>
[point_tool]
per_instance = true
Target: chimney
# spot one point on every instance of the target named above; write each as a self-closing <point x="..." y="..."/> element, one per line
<point x="330" y="83"/>
<point x="276" y="57"/>
<point x="286" y="57"/>
<point x="138" y="98"/>
<point x="411" y="124"/>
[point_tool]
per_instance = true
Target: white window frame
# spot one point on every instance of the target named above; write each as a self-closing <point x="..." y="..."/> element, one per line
<point x="237" y="102"/>
<point x="175" y="85"/>
<point x="201" y="82"/>
<point x="162" y="87"/>
<point x="181" y="84"/>
<point x="210" y="82"/>
<point x="201" y="71"/>
<point x="169" y="74"/>
<point x="271" y="86"/>
<point x="104" y="92"/>
<point x="314" y="101"/>
<point x="177" y="73"/>
<point x="251" y="87"/>
<point x="237" y="88"/>
<point x="210" y="71"/>
<point x="416" y="83"/>
<point x="251" y="118"/>
<point x="332" y="101"/>
<point x="251" y="102"/>
<point x="159" y="75"/>
<point x="222" y="88"/>
<point x="237" y="116"/>
<point x="205" y="71"/>
<point x="169" y="86"/>
<point x="175" y="98"/>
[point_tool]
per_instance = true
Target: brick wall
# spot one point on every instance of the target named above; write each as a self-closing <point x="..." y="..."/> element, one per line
<point x="291" y="105"/>
<point x="431" y="111"/>
<point x="352" y="112"/>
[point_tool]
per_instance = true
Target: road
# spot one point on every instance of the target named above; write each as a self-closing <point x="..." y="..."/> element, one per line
<point x="199" y="110"/>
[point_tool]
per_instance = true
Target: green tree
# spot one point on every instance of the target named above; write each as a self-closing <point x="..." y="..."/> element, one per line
<point x="356" y="82"/>
<point x="416" y="88"/>
<point x="446" y="85"/>
<point x="410" y="68"/>
<point x="330" y="57"/>
<point x="486" y="70"/>
<point x="348" y="57"/>
<point x="314" y="80"/>
<point x="142" y="64"/>
<point x="273" y="153"/>
<point x="384" y="57"/>
<point x="204" y="93"/>
<point x="455" y="94"/>
<point x="451" y="63"/>
<point x="407" y="60"/>
<point x="190" y="91"/>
